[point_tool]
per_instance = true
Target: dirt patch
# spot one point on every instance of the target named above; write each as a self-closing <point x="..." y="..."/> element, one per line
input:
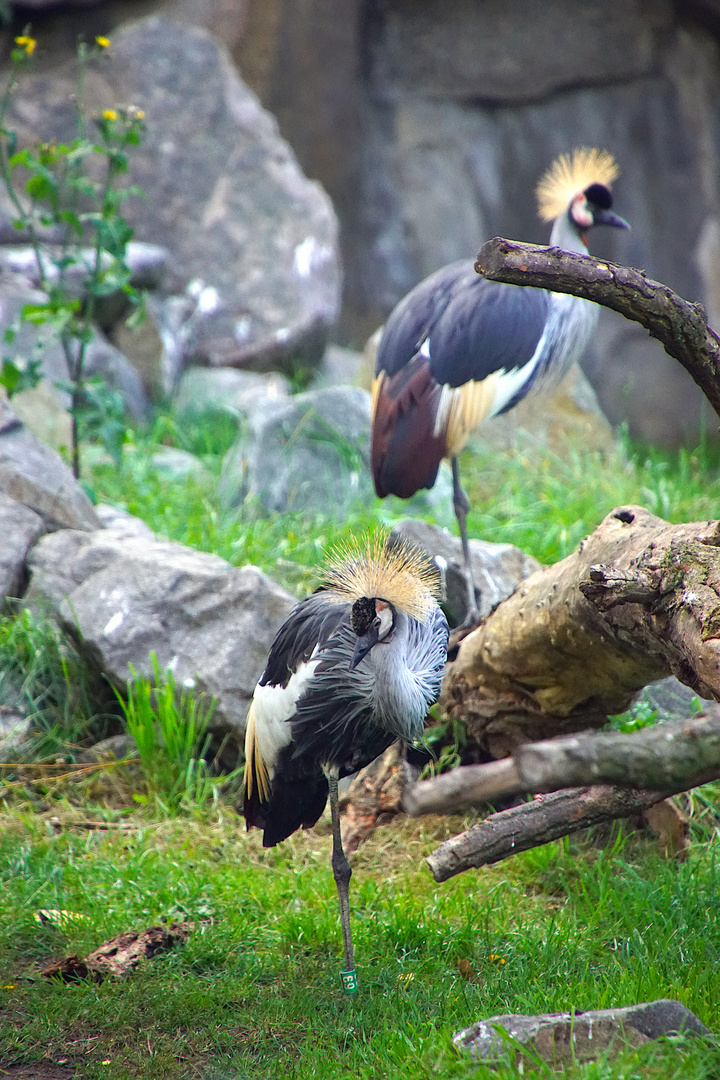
<point x="41" y="1070"/>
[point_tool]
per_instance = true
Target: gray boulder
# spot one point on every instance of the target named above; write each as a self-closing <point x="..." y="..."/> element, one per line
<point x="146" y="263"/>
<point x="172" y="463"/>
<point x="20" y="528"/>
<point x="309" y="452"/>
<point x="123" y="522"/>
<point x="34" y="475"/>
<point x="15" y="733"/>
<point x="340" y="367"/>
<point x="118" y="374"/>
<point x="569" y="1038"/>
<point x="497" y="568"/>
<point x="224" y="193"/>
<point x="224" y="389"/>
<point x="44" y="412"/>
<point x="29" y="342"/>
<point x="121" y="598"/>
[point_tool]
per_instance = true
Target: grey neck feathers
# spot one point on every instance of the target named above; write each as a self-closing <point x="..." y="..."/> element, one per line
<point x="404" y="685"/>
<point x="564" y="235"/>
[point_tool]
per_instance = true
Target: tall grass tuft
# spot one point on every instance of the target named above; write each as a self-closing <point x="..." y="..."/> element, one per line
<point x="43" y="677"/>
<point x="170" y="731"/>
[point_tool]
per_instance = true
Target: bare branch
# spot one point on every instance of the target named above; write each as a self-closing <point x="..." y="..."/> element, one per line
<point x="538" y="822"/>
<point x="462" y="788"/>
<point x="681" y="753"/>
<point x="669" y="757"/>
<point x="681" y="326"/>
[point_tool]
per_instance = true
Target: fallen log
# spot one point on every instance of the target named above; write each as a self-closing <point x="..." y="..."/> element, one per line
<point x="668" y="757"/>
<point x="638" y="600"/>
<point x="120" y="955"/>
<point x="531" y="824"/>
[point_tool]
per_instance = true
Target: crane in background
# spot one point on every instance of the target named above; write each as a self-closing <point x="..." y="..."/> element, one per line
<point x="459" y="348"/>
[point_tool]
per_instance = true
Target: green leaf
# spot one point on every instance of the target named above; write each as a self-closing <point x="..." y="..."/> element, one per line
<point x="20" y="374"/>
<point x="41" y="187"/>
<point x="70" y="218"/>
<point x="114" y="234"/>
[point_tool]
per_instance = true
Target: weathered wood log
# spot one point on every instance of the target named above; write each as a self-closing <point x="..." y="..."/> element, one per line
<point x="683" y="753"/>
<point x="681" y="326"/>
<point x="638" y="600"/>
<point x="546" y="818"/>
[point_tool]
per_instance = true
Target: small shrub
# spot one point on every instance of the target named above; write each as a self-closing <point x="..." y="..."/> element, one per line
<point x="60" y="192"/>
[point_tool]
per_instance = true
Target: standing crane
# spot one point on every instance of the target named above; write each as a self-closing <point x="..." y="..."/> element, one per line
<point x="354" y="667"/>
<point x="459" y="348"/>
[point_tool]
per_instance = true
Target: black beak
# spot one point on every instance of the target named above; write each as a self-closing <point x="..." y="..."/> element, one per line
<point x="607" y="217"/>
<point x="365" y="643"/>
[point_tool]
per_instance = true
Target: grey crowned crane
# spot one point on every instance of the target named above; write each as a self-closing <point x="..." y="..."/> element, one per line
<point x="354" y="667"/>
<point x="459" y="348"/>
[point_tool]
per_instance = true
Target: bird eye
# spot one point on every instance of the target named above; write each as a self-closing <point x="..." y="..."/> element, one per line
<point x="376" y="620"/>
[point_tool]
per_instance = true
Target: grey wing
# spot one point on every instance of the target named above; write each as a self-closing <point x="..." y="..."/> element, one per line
<point x="310" y="624"/>
<point x="333" y="721"/>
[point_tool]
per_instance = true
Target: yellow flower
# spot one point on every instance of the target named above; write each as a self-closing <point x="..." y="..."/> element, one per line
<point x="27" y="43"/>
<point x="9" y="986"/>
<point x="103" y="42"/>
<point x="109" y="114"/>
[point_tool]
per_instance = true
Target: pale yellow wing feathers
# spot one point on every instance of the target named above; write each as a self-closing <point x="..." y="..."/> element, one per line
<point x="255" y="768"/>
<point x="469" y="406"/>
<point x="375" y="392"/>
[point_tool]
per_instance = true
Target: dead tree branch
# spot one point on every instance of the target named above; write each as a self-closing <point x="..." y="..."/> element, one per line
<point x="531" y="824"/>
<point x="669" y="757"/>
<point x="681" y="326"/>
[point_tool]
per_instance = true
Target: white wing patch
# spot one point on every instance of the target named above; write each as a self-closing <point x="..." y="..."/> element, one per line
<point x="509" y="382"/>
<point x="272" y="706"/>
<point x="461" y="409"/>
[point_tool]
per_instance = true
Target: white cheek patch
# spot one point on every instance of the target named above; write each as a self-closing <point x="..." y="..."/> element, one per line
<point x="385" y="615"/>
<point x="273" y="706"/>
<point x="580" y="214"/>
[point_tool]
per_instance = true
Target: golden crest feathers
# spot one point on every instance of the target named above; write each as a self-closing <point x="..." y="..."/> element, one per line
<point x="569" y="175"/>
<point x="388" y="567"/>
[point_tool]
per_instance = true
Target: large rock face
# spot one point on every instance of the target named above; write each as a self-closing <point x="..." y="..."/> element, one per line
<point x="428" y="123"/>
<point x="461" y="107"/>
<point x="224" y="192"/>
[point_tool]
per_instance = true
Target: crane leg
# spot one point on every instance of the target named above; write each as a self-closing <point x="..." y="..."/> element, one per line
<point x="462" y="507"/>
<point x="342" y="872"/>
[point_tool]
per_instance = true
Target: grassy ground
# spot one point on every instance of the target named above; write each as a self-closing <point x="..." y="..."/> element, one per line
<point x="542" y="501"/>
<point x="255" y="991"/>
